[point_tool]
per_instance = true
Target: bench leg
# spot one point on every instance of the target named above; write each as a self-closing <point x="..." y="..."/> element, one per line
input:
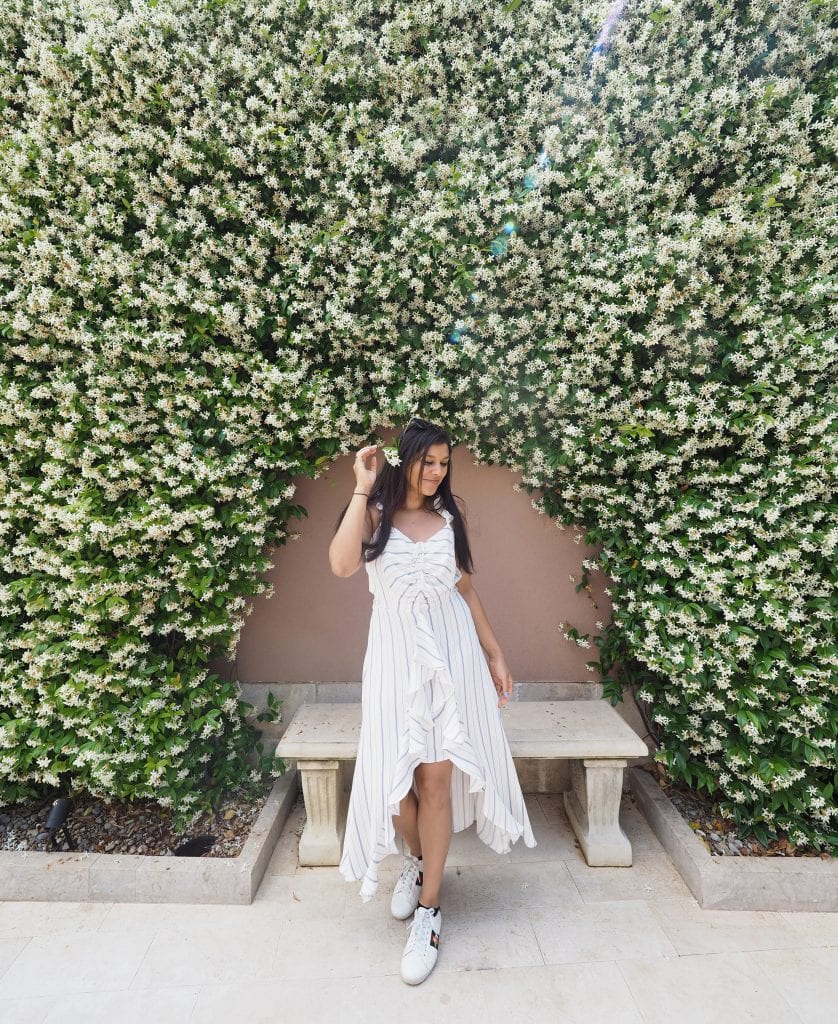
<point x="593" y="806"/>
<point x="320" y="843"/>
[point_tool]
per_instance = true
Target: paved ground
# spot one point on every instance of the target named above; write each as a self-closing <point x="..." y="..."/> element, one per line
<point x="535" y="936"/>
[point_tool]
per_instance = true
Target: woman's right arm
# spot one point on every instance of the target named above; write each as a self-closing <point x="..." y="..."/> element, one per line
<point x="357" y="524"/>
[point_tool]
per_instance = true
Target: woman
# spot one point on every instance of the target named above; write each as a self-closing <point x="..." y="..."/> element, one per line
<point x="432" y="755"/>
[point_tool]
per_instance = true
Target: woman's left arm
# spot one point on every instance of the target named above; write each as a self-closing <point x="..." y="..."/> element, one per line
<point x="488" y="641"/>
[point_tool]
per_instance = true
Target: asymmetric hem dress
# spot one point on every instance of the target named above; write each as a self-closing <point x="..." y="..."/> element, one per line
<point x="426" y="695"/>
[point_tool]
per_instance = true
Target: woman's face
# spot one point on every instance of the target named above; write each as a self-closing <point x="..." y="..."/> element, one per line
<point x="427" y="473"/>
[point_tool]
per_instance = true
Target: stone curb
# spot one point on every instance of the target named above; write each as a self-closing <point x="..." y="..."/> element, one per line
<point x="734" y="883"/>
<point x="132" y="878"/>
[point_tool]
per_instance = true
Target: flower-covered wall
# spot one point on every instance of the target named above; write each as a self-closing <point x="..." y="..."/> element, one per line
<point x="239" y="235"/>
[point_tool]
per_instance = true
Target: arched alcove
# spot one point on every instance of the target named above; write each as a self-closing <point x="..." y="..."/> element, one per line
<point x="314" y="627"/>
<point x="306" y="642"/>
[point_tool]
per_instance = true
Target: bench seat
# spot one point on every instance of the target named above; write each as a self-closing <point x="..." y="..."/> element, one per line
<point x="589" y="733"/>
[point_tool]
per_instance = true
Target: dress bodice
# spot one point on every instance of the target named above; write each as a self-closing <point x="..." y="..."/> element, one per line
<point x="407" y="569"/>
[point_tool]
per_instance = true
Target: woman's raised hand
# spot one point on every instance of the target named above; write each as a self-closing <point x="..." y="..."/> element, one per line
<point x="366" y="468"/>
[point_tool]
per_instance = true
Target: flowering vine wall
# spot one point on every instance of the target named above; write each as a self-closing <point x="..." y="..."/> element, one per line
<point x="239" y="235"/>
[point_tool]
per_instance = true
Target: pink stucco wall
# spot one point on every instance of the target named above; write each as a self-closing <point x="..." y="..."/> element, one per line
<point x="314" y="627"/>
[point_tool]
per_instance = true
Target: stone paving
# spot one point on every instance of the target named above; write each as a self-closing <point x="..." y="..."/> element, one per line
<point x="535" y="936"/>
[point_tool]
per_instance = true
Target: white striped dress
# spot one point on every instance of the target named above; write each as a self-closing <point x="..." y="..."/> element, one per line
<point x="427" y="695"/>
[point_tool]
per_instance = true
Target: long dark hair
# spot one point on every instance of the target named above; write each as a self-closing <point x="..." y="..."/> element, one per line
<point x="390" y="491"/>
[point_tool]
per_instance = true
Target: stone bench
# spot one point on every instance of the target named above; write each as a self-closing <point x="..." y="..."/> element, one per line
<point x="590" y="733"/>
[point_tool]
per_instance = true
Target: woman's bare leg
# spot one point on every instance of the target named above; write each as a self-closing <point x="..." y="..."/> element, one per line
<point x="434" y="821"/>
<point x="406" y="825"/>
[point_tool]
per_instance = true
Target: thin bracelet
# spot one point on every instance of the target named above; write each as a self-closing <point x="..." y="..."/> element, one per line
<point x="364" y="493"/>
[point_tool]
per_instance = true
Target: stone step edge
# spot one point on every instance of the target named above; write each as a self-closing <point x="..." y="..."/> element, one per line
<point x="734" y="883"/>
<point x="33" y="876"/>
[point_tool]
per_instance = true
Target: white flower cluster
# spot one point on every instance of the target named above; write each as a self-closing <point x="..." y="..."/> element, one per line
<point x="239" y="238"/>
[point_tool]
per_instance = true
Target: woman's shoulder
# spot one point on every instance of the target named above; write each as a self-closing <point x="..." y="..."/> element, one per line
<point x="374" y="510"/>
<point x="460" y="506"/>
<point x="447" y="512"/>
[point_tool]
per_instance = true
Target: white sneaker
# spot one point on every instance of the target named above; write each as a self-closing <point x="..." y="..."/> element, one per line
<point x="422" y="949"/>
<point x="409" y="886"/>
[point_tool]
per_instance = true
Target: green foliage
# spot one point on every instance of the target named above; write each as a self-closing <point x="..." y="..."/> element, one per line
<point x="236" y="238"/>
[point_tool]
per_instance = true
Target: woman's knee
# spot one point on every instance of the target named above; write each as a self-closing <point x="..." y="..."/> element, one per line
<point x="433" y="781"/>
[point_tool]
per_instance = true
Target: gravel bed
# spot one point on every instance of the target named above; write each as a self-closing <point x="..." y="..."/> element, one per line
<point x="122" y="826"/>
<point x="719" y="834"/>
